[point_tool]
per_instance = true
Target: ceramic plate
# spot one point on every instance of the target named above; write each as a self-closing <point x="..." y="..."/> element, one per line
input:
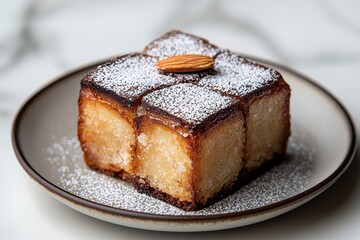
<point x="321" y="147"/>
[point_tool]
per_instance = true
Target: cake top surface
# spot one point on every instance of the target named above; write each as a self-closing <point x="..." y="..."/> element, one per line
<point x="132" y="75"/>
<point x="188" y="102"/>
<point x="237" y="76"/>
<point x="176" y="43"/>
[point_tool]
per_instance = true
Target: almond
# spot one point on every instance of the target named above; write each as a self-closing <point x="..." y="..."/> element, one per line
<point x="185" y="63"/>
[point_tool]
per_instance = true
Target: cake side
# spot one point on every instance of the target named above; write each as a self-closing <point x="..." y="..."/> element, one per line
<point x="267" y="126"/>
<point x="178" y="156"/>
<point x="163" y="159"/>
<point x="106" y="134"/>
<point x="193" y="171"/>
<point x="221" y="152"/>
<point x="265" y="102"/>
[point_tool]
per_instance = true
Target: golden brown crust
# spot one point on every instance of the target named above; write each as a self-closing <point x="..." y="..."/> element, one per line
<point x="193" y="145"/>
<point x="88" y="93"/>
<point x="90" y="159"/>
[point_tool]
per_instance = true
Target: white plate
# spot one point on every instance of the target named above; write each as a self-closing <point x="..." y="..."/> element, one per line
<point x="321" y="147"/>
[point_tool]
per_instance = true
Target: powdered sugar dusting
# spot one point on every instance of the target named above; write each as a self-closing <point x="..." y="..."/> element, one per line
<point x="238" y="76"/>
<point x="291" y="177"/>
<point x="132" y="75"/>
<point x="188" y="102"/>
<point x="176" y="43"/>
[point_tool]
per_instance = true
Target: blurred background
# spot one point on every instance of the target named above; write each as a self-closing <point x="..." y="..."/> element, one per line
<point x="41" y="39"/>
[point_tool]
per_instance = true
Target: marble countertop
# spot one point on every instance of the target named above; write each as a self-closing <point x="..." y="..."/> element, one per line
<point x="40" y="39"/>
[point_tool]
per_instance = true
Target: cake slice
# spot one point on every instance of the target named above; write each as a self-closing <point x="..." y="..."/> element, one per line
<point x="188" y="138"/>
<point x="110" y="95"/>
<point x="190" y="145"/>
<point x="108" y="103"/>
<point x="265" y="97"/>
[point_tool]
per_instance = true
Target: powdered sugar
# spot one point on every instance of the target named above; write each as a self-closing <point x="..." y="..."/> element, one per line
<point x="238" y="76"/>
<point x="131" y="76"/>
<point x="188" y="102"/>
<point x="69" y="172"/>
<point x="176" y="43"/>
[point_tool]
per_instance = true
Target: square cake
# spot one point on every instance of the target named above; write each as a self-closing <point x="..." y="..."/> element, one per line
<point x="189" y="135"/>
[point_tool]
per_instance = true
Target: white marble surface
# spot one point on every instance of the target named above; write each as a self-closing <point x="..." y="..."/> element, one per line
<point x="40" y="39"/>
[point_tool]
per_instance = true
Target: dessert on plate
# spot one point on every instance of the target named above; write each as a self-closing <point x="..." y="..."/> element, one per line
<point x="183" y="120"/>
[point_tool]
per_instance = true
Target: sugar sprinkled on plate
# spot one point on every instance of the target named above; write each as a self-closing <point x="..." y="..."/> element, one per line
<point x="285" y="180"/>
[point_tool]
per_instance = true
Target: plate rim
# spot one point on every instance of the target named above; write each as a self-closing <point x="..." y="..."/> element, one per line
<point x="118" y="212"/>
